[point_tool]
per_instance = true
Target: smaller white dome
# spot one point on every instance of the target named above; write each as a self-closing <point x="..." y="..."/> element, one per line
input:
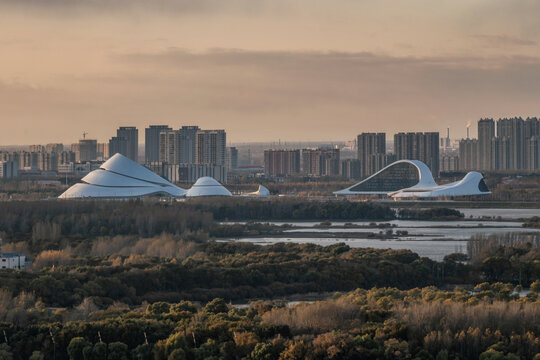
<point x="207" y="186"/>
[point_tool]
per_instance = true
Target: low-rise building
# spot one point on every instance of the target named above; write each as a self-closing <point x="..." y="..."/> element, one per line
<point x="13" y="261"/>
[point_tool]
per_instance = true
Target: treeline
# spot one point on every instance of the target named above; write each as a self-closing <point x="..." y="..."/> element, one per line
<point x="132" y="270"/>
<point x="234" y="271"/>
<point x="52" y="220"/>
<point x="290" y="209"/>
<point x="430" y="214"/>
<point x="382" y="323"/>
<point x="48" y="223"/>
<point x="511" y="257"/>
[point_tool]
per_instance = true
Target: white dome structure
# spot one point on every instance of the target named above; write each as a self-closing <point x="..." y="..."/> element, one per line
<point x="121" y="177"/>
<point x="413" y="179"/>
<point x="261" y="192"/>
<point x="207" y="186"/>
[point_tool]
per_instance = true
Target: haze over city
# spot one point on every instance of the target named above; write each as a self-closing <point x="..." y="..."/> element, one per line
<point x="321" y="70"/>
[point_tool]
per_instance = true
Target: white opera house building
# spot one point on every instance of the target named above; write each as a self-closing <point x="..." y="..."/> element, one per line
<point x="413" y="179"/>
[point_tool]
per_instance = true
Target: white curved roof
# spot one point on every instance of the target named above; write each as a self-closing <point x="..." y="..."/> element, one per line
<point x="424" y="175"/>
<point x="120" y="164"/>
<point x="261" y="192"/>
<point x="207" y="186"/>
<point x="106" y="178"/>
<point x="121" y="177"/>
<point x="471" y="184"/>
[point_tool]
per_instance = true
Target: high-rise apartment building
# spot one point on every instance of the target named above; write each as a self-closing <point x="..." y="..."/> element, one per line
<point x="533" y="153"/>
<point x="351" y="169"/>
<point x="531" y="130"/>
<point x="187" y="137"/>
<point x="36" y="148"/>
<point x="66" y="157"/>
<point x="232" y="158"/>
<point x="118" y="144"/>
<point x="85" y="150"/>
<point x="321" y="162"/>
<point x="513" y="130"/>
<point x="486" y="132"/>
<point x="168" y="147"/>
<point x="511" y="148"/>
<point x="210" y="147"/>
<point x="8" y="169"/>
<point x="131" y="135"/>
<point x="179" y="146"/>
<point x="371" y="152"/>
<point x="418" y="146"/>
<point x="103" y="151"/>
<point x="151" y="142"/>
<point x="54" y="148"/>
<point x="281" y="162"/>
<point x="47" y="161"/>
<point x="468" y="154"/>
<point x="449" y="162"/>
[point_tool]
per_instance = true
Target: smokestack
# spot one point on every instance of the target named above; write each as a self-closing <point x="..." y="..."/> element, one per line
<point x="468" y="126"/>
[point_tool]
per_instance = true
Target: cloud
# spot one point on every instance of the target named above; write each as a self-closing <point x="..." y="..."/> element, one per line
<point x="85" y="7"/>
<point x="497" y="41"/>
<point x="265" y="95"/>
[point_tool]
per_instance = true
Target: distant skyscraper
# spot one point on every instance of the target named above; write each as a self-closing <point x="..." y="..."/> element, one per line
<point x="118" y="144"/>
<point x="8" y="169"/>
<point x="468" y="154"/>
<point x="321" y="162"/>
<point x="351" y="169"/>
<point x="449" y="162"/>
<point x="187" y="143"/>
<point x="36" y="148"/>
<point x="210" y="147"/>
<point x="512" y="129"/>
<point x="131" y="134"/>
<point x="232" y="158"/>
<point x="418" y="146"/>
<point x="66" y="157"/>
<point x="168" y="147"/>
<point x="151" y="142"/>
<point x="281" y="162"/>
<point x="533" y="153"/>
<point x="531" y="132"/>
<point x="103" y="151"/>
<point x="486" y="132"/>
<point x="371" y="152"/>
<point x="54" y="148"/>
<point x="85" y="150"/>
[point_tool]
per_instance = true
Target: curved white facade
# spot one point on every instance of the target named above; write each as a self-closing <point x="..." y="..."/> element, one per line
<point x="207" y="186"/>
<point x="413" y="179"/>
<point x="121" y="177"/>
<point x="261" y="192"/>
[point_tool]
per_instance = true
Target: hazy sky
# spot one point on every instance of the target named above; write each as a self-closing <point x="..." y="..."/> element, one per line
<point x="264" y="69"/>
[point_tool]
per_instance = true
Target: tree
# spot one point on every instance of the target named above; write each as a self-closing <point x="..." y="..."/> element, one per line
<point x="5" y="352"/>
<point x="216" y="306"/>
<point x="177" y="354"/>
<point x="118" y="351"/>
<point x="158" y="308"/>
<point x="142" y="352"/>
<point x="75" y="348"/>
<point x="295" y="351"/>
<point x="262" y="351"/>
<point x="37" y="355"/>
<point x="100" y="350"/>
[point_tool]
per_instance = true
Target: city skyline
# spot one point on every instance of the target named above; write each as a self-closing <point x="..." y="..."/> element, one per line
<point x="350" y="137"/>
<point x="321" y="71"/>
